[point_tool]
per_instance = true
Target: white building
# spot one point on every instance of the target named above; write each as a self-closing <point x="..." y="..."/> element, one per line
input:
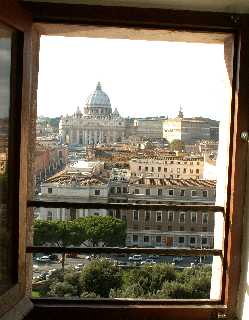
<point x="75" y="187"/>
<point x="97" y="124"/>
<point x="168" y="167"/>
<point x="190" y="130"/>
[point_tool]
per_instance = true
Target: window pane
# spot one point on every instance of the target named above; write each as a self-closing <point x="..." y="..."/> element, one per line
<point x="6" y="233"/>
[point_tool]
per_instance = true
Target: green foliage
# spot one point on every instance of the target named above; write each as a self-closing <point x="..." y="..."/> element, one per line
<point x="102" y="279"/>
<point x="96" y="229"/>
<point x="60" y="233"/>
<point x="63" y="289"/>
<point x="177" y="145"/>
<point x="99" y="277"/>
<point x="150" y="278"/>
<point x="176" y="290"/>
<point x="108" y="230"/>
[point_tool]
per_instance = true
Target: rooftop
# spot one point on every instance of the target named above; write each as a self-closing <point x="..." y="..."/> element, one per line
<point x="173" y="182"/>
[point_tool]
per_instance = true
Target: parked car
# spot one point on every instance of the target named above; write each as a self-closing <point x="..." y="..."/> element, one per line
<point x="44" y="259"/>
<point x="177" y="259"/>
<point x="154" y="256"/>
<point x="53" y="257"/>
<point x="148" y="261"/>
<point x="136" y="258"/>
<point x="123" y="264"/>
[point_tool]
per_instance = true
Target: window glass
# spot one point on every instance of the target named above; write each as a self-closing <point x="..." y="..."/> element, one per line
<point x="6" y="232"/>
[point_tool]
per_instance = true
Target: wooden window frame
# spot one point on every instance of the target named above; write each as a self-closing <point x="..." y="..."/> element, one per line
<point x="238" y="24"/>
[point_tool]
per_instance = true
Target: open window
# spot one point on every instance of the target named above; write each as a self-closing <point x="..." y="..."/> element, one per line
<point x="230" y="203"/>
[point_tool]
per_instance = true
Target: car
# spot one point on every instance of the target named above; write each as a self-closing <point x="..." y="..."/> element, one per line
<point x="123" y="264"/>
<point x="35" y="267"/>
<point x="53" y="257"/>
<point x="154" y="256"/>
<point x="136" y="258"/>
<point x="148" y="261"/>
<point x="177" y="259"/>
<point x="44" y="259"/>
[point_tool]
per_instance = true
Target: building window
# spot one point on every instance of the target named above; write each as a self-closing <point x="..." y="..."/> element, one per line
<point x="118" y="190"/>
<point x="124" y="217"/>
<point x="159" y="169"/>
<point x="146" y="168"/>
<point x="169" y="228"/>
<point x="136" y="191"/>
<point x="159" y="216"/>
<point x="171" y="192"/>
<point x="146" y="239"/>
<point x="125" y="190"/>
<point x="192" y="240"/>
<point x="160" y="192"/>
<point x="193" y="193"/>
<point x="182" y="228"/>
<point x="147" y="215"/>
<point x="182" y="217"/>
<point x="184" y="170"/>
<point x="204" y="193"/>
<point x="182" y="193"/>
<point x="191" y="171"/>
<point x="135" y="215"/>
<point x="50" y="190"/>
<point x="158" y="239"/>
<point x="204" y="241"/>
<point x="97" y="192"/>
<point x="73" y="214"/>
<point x="112" y="190"/>
<point x="205" y="218"/>
<point x="147" y="192"/>
<point x="118" y="215"/>
<point x="204" y="229"/>
<point x="139" y="168"/>
<point x="165" y="169"/>
<point x="181" y="240"/>
<point x="152" y="169"/>
<point x="193" y="217"/>
<point x="170" y="216"/>
<point x="49" y="216"/>
<point x="197" y="171"/>
<point x="178" y="170"/>
<point x="135" y="238"/>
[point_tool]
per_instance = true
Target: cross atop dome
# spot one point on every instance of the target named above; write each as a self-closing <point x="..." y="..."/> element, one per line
<point x="98" y="87"/>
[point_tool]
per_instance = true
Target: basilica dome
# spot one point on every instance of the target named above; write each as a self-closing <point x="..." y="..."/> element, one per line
<point x="98" y="98"/>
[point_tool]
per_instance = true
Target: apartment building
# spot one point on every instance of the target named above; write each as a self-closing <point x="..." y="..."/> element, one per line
<point x="155" y="228"/>
<point x="76" y="187"/>
<point x="190" y="130"/>
<point x="168" y="167"/>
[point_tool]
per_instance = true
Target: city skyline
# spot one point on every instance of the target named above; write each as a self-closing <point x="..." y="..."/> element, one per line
<point x="71" y="67"/>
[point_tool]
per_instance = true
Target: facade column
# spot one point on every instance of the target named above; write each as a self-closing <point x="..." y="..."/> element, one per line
<point x="78" y="136"/>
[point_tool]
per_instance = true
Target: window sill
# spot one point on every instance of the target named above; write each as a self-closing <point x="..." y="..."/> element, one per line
<point x="128" y="309"/>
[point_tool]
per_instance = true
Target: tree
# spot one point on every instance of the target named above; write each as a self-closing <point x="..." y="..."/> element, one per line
<point x="149" y="278"/>
<point x="177" y="145"/>
<point x="108" y="230"/>
<point x="99" y="277"/>
<point x="59" y="233"/>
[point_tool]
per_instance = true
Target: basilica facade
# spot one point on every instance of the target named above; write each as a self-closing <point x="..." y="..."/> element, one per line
<point x="96" y="124"/>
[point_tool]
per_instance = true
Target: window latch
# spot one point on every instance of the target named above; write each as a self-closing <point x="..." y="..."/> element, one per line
<point x="244" y="136"/>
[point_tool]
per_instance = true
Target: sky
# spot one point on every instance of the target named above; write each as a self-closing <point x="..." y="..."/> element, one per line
<point x="142" y="78"/>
